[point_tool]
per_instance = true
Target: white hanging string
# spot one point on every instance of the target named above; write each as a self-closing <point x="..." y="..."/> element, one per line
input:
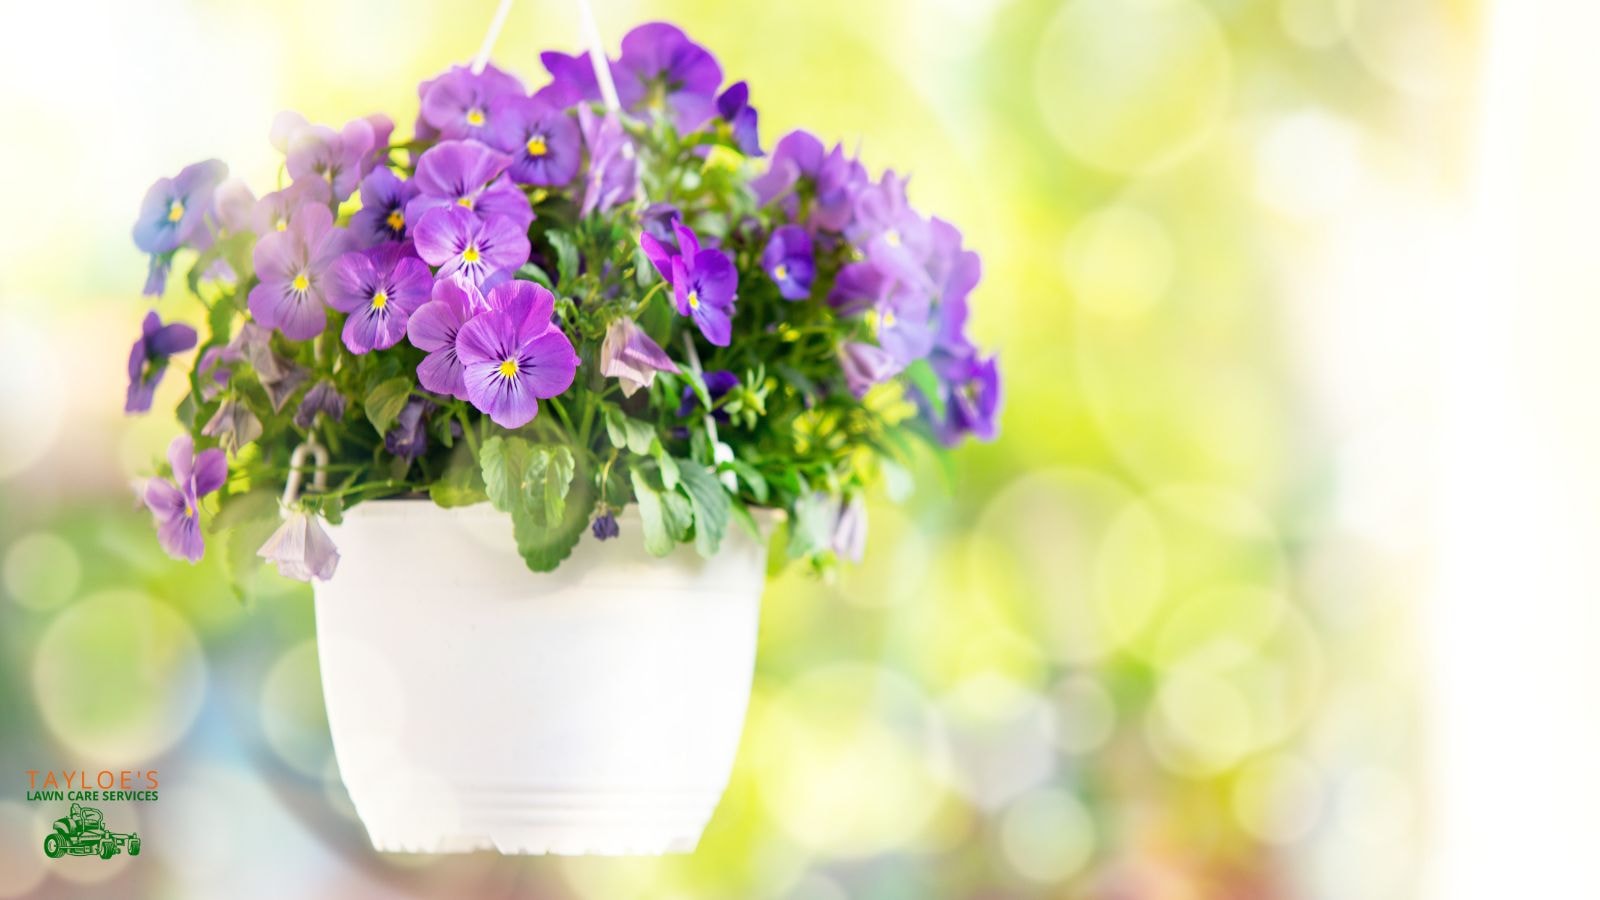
<point x="495" y="24"/>
<point x="297" y="462"/>
<point x="597" y="57"/>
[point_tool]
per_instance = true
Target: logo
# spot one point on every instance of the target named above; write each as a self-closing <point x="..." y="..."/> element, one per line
<point x="83" y="832"/>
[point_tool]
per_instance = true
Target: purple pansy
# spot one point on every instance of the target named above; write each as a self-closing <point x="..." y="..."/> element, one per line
<point x="613" y="173"/>
<point x="339" y="158"/>
<point x="704" y="282"/>
<point x="849" y="538"/>
<point x="433" y="328"/>
<point x="743" y="122"/>
<point x="969" y="385"/>
<point x="543" y="141"/>
<point x="461" y="244"/>
<point x="293" y="266"/>
<point x="788" y="261"/>
<point x="604" y="527"/>
<point x="147" y="361"/>
<point x="323" y="399"/>
<point x="662" y="70"/>
<point x="893" y="235"/>
<point x="514" y="355"/>
<point x="458" y="104"/>
<point x="382" y="216"/>
<point x="408" y="438"/>
<point x="467" y="174"/>
<point x="173" y="215"/>
<point x="280" y="377"/>
<point x="630" y="356"/>
<point x="212" y="373"/>
<point x="718" y="383"/>
<point x="273" y="211"/>
<point x="865" y="365"/>
<point x="300" y="549"/>
<point x="232" y="206"/>
<point x="379" y="288"/>
<point x="656" y="220"/>
<point x="572" y="79"/>
<point x="899" y="315"/>
<point x="233" y="425"/>
<point x="831" y="180"/>
<point x="176" y="503"/>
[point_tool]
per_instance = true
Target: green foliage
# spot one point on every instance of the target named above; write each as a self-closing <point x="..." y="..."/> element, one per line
<point x="532" y="483"/>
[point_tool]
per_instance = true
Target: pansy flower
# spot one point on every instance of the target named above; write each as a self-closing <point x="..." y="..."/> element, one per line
<point x="378" y="288"/>
<point x="323" y="399"/>
<point x="433" y="329"/>
<point x="743" y="122"/>
<point x="572" y="79"/>
<point x="830" y="179"/>
<point x="788" y="261"/>
<point x="630" y="356"/>
<point x="233" y="205"/>
<point x="718" y="383"/>
<point x="704" y="282"/>
<point x="543" y="141"/>
<point x="467" y="174"/>
<point x="280" y="377"/>
<point x="293" y="266"/>
<point x="892" y="234"/>
<point x="173" y="215"/>
<point x="233" y="425"/>
<point x="175" y="504"/>
<point x="480" y="250"/>
<point x="898" y="315"/>
<point x="147" y="361"/>
<point x="408" y="437"/>
<point x="458" y="104"/>
<point x="300" y="549"/>
<point x="514" y="355"/>
<point x="969" y="385"/>
<point x="613" y="173"/>
<point x="340" y="158"/>
<point x="865" y="365"/>
<point x="382" y="216"/>
<point x="604" y="527"/>
<point x="273" y="211"/>
<point x="849" y="534"/>
<point x="662" y="70"/>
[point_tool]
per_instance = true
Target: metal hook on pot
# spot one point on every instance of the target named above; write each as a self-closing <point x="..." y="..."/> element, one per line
<point x="297" y="462"/>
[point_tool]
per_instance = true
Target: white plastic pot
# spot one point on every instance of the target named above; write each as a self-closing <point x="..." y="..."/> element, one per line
<point x="475" y="704"/>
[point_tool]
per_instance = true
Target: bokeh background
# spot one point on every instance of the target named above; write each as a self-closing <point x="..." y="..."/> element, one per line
<point x="1156" y="642"/>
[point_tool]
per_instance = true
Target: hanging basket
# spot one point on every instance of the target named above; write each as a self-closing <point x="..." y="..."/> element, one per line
<point x="476" y="705"/>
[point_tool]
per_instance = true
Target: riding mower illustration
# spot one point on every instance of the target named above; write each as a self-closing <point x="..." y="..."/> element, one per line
<point x="82" y="832"/>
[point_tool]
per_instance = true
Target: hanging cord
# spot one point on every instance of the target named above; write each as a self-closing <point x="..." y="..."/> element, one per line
<point x="297" y="462"/>
<point x="597" y="58"/>
<point x="495" y="24"/>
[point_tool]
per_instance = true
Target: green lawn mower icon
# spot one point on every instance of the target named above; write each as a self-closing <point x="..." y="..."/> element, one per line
<point x="82" y="832"/>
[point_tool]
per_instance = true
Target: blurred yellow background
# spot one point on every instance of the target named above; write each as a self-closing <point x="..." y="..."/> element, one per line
<point x="1150" y="644"/>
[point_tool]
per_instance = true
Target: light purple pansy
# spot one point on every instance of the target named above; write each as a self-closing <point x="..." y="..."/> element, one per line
<point x="339" y="158"/>
<point x="743" y="121"/>
<point x="378" y="288"/>
<point x="408" y="438"/>
<point x="661" y="70"/>
<point x="900" y="316"/>
<point x="459" y="103"/>
<point x="382" y="216"/>
<point x="865" y="365"/>
<point x="467" y="174"/>
<point x="482" y="251"/>
<point x="322" y="399"/>
<point x="833" y="180"/>
<point x="175" y="504"/>
<point x="788" y="262"/>
<point x="613" y="175"/>
<point x="849" y="538"/>
<point x="969" y="385"/>
<point x="433" y="328"/>
<point x="543" y="141"/>
<point x="174" y="214"/>
<point x="233" y="205"/>
<point x="293" y="267"/>
<point x="572" y="79"/>
<point x="273" y="211"/>
<point x="514" y="355"/>
<point x="630" y="356"/>
<point x="300" y="549"/>
<point x="147" y="361"/>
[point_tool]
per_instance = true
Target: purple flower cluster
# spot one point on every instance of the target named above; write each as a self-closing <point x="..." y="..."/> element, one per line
<point x="704" y="281"/>
<point x="907" y="286"/>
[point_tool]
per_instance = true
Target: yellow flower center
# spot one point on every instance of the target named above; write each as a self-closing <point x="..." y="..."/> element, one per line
<point x="892" y="237"/>
<point x="888" y="318"/>
<point x="281" y="224"/>
<point x="396" y="220"/>
<point x="380" y="300"/>
<point x="175" y="211"/>
<point x="536" y="146"/>
<point x="694" y="299"/>
<point x="470" y="255"/>
<point x="780" y="272"/>
<point x="508" y="368"/>
<point x="475" y="117"/>
<point x="301" y="283"/>
<point x="465" y="201"/>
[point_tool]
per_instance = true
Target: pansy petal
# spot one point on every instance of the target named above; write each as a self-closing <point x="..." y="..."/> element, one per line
<point x="549" y="363"/>
<point x="210" y="471"/>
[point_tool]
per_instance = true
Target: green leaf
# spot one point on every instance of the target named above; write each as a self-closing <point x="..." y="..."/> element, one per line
<point x="652" y="514"/>
<point x="461" y="483"/>
<point x="531" y="272"/>
<point x="539" y="487"/>
<point x="669" y="466"/>
<point x="242" y="526"/>
<point x="557" y="467"/>
<point x="711" y="507"/>
<point x="384" y="402"/>
<point x="809" y="530"/>
<point x="566" y="255"/>
<point x="678" y="513"/>
<point x="922" y="377"/>
<point x="741" y="514"/>
<point x="747" y="474"/>
<point x="897" y="480"/>
<point x="544" y="547"/>
<point x="625" y="431"/>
